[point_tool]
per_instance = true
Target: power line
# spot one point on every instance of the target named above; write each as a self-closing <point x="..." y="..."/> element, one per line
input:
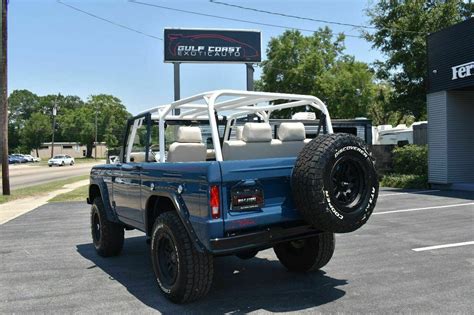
<point x="229" y="18"/>
<point x="109" y="21"/>
<point x="307" y="18"/>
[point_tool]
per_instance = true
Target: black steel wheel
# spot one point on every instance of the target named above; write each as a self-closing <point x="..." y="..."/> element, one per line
<point x="183" y="273"/>
<point x="107" y="236"/>
<point x="167" y="257"/>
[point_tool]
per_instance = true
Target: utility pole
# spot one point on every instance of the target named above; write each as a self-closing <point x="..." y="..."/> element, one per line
<point x="95" y="151"/>
<point x="4" y="100"/>
<point x="55" y="111"/>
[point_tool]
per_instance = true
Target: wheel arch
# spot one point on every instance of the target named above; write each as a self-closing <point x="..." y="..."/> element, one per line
<point x="99" y="189"/>
<point x="160" y="202"/>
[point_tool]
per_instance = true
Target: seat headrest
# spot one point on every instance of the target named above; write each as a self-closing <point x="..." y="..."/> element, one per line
<point x="238" y="132"/>
<point x="293" y="131"/>
<point x="188" y="134"/>
<point x="257" y="132"/>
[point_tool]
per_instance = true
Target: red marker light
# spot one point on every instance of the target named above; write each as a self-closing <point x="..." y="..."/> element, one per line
<point x="214" y="202"/>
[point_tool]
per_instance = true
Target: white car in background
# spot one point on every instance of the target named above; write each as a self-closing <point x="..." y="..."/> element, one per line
<point x="31" y="158"/>
<point x="61" y="160"/>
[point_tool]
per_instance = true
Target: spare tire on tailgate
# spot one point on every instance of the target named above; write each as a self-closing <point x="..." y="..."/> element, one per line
<point x="334" y="183"/>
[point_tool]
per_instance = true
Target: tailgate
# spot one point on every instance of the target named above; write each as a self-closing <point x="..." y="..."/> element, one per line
<point x="257" y="193"/>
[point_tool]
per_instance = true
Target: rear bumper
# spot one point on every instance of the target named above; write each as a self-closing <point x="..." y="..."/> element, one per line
<point x="260" y="240"/>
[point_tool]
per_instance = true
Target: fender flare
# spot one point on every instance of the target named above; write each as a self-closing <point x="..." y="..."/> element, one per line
<point x="104" y="193"/>
<point x="183" y="214"/>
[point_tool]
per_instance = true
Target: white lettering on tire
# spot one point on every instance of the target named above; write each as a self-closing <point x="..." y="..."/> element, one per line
<point x="331" y="207"/>
<point x="353" y="148"/>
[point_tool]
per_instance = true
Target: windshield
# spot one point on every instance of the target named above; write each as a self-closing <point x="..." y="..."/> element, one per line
<point x="58" y="157"/>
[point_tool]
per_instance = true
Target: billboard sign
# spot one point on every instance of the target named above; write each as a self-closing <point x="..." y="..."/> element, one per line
<point x="207" y="45"/>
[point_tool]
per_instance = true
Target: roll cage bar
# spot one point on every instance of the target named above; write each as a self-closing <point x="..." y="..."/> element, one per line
<point x="238" y="104"/>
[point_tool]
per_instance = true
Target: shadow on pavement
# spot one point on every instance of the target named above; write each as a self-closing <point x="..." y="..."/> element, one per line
<point x="239" y="286"/>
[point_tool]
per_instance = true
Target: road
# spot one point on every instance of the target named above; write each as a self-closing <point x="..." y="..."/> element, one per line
<point x="30" y="175"/>
<point x="50" y="266"/>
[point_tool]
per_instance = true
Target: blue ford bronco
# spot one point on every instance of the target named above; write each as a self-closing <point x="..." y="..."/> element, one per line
<point x="213" y="175"/>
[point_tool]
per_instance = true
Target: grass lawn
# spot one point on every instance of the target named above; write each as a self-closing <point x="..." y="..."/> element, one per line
<point x="40" y="189"/>
<point x="78" y="194"/>
<point x="44" y="162"/>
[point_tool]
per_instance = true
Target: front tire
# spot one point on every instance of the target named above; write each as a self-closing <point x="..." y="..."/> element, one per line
<point x="183" y="273"/>
<point x="307" y="254"/>
<point x="107" y="236"/>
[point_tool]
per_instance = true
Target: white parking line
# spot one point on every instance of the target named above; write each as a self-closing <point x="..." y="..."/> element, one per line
<point x="442" y="246"/>
<point x="410" y="192"/>
<point x="427" y="208"/>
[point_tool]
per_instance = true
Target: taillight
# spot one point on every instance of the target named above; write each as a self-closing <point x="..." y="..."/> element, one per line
<point x="214" y="202"/>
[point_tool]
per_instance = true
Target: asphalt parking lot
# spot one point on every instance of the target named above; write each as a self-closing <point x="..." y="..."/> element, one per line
<point x="49" y="265"/>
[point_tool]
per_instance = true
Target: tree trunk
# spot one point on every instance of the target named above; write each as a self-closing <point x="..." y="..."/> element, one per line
<point x="89" y="150"/>
<point x="37" y="154"/>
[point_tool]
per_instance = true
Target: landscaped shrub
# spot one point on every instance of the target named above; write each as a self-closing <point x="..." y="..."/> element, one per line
<point x="405" y="181"/>
<point x="411" y="160"/>
<point x="410" y="168"/>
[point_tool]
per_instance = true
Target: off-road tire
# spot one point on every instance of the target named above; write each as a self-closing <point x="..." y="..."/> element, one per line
<point x="334" y="183"/>
<point x="308" y="254"/>
<point x="107" y="237"/>
<point x="194" y="270"/>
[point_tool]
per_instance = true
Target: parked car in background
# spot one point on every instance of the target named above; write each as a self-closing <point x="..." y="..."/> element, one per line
<point x="61" y="160"/>
<point x="31" y="158"/>
<point x="20" y="158"/>
<point x="13" y="160"/>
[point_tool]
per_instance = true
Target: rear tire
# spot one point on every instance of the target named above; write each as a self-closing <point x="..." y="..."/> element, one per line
<point x="183" y="273"/>
<point x="307" y="254"/>
<point x="107" y="236"/>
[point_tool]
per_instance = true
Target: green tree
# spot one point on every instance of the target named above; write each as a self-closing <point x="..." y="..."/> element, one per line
<point x="401" y="30"/>
<point x="22" y="104"/>
<point x="347" y="88"/>
<point x="36" y="130"/>
<point x="79" y="124"/>
<point x="111" y="118"/>
<point x="317" y="65"/>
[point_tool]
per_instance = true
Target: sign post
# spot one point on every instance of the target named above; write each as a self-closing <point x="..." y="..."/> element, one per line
<point x="250" y="71"/>
<point x="212" y="46"/>
<point x="4" y="100"/>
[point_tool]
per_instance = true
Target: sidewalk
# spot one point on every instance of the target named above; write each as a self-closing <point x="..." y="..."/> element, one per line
<point x="13" y="209"/>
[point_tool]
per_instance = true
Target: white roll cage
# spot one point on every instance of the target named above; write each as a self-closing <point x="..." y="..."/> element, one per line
<point x="237" y="104"/>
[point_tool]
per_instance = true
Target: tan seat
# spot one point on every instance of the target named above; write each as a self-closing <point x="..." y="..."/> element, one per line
<point x="256" y="143"/>
<point x="188" y="146"/>
<point x="292" y="136"/>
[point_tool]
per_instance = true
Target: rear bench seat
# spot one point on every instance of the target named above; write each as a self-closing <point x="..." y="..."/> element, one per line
<point x="257" y="142"/>
<point x="188" y="146"/>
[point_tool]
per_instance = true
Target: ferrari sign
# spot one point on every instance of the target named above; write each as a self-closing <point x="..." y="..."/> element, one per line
<point x="194" y="45"/>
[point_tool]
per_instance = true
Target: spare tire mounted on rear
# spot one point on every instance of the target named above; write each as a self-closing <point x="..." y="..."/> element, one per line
<point x="334" y="183"/>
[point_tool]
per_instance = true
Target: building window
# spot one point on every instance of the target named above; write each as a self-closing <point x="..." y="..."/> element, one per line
<point x="67" y="146"/>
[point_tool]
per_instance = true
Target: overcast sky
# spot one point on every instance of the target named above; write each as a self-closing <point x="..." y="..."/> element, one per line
<point x="54" y="49"/>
